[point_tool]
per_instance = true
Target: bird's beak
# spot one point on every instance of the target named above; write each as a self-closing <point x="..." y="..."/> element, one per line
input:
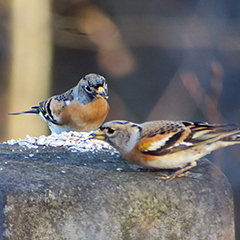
<point x="98" y="134"/>
<point x="101" y="93"/>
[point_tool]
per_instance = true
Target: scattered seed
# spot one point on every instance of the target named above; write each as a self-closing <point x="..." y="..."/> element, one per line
<point x="73" y="141"/>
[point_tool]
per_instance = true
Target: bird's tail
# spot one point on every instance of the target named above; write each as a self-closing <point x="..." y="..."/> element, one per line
<point x="232" y="138"/>
<point x="34" y="110"/>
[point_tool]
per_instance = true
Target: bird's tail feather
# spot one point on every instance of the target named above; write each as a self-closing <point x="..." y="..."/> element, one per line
<point x="232" y="138"/>
<point x="34" y="110"/>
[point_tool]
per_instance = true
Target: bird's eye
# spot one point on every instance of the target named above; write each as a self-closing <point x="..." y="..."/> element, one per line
<point x="110" y="131"/>
<point x="88" y="89"/>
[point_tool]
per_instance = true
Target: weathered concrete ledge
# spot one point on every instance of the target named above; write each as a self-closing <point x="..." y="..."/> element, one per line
<point x="53" y="193"/>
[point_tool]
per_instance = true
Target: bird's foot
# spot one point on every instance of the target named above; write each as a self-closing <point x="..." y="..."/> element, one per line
<point x="179" y="173"/>
<point x="170" y="177"/>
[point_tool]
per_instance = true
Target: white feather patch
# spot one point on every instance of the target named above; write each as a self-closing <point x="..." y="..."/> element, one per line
<point x="156" y="145"/>
<point x="161" y="143"/>
<point x="67" y="102"/>
<point x="186" y="143"/>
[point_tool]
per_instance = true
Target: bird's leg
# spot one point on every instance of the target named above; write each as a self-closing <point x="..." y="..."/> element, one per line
<point x="179" y="173"/>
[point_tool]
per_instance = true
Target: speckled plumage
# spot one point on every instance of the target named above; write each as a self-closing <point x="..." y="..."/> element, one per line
<point x="166" y="144"/>
<point x="82" y="108"/>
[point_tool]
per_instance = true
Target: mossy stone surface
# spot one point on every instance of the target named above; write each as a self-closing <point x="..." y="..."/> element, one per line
<point x="54" y="193"/>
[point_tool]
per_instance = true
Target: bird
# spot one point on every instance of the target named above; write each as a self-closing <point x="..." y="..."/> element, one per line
<point x="83" y="108"/>
<point x="166" y="144"/>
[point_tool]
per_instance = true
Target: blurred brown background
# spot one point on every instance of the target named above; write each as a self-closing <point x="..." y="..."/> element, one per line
<point x="169" y="59"/>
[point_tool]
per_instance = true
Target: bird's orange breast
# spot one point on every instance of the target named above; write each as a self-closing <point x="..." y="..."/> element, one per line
<point x="85" y="117"/>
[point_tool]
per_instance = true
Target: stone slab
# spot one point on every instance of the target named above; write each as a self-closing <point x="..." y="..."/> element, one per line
<point x="54" y="193"/>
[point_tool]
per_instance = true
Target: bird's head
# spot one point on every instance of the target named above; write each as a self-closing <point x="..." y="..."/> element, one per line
<point x="122" y="135"/>
<point x="94" y="86"/>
